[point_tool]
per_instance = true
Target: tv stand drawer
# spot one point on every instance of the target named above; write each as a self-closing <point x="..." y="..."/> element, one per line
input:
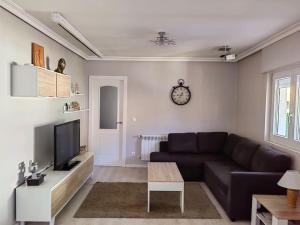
<point x="64" y="191"/>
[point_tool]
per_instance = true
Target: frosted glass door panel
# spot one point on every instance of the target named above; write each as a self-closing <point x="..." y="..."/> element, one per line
<point x="108" y="107"/>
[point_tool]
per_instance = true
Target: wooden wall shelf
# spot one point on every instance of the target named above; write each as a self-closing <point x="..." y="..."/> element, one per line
<point x="75" y="111"/>
<point x="74" y="95"/>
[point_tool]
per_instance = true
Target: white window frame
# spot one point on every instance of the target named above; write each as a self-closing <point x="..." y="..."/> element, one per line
<point x="289" y="142"/>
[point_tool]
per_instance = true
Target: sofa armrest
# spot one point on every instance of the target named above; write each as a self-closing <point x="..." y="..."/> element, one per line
<point x="163" y="146"/>
<point x="243" y="185"/>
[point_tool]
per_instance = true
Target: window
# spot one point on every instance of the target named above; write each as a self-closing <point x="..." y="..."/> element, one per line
<point x="281" y="106"/>
<point x="297" y="111"/>
<point x="285" y="111"/>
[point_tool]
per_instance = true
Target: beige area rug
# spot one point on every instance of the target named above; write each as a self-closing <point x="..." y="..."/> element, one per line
<point x="129" y="200"/>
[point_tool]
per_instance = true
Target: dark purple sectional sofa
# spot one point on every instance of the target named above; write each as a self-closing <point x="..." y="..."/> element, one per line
<point x="233" y="167"/>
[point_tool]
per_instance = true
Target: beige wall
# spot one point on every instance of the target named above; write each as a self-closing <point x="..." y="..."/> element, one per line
<point x="212" y="107"/>
<point x="228" y="97"/>
<point x="251" y="98"/>
<point x="20" y="116"/>
<point x="282" y="53"/>
<point x="252" y="83"/>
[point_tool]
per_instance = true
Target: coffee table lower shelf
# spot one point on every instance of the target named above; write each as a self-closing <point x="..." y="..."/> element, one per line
<point x="167" y="186"/>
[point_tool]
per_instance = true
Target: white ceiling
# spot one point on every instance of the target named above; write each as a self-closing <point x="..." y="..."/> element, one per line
<point x="123" y="28"/>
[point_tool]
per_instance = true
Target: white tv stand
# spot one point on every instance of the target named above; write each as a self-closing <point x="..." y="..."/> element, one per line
<point x="42" y="203"/>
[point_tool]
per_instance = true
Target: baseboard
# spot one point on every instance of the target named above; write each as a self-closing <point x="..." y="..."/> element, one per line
<point x="136" y="165"/>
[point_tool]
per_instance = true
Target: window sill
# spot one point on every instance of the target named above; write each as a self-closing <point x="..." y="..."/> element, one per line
<point x="283" y="147"/>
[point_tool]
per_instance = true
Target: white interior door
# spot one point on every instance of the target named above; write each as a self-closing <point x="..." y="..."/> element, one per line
<point x="106" y="122"/>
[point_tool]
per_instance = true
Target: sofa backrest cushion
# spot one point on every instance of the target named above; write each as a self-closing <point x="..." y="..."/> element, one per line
<point x="268" y="159"/>
<point x="243" y="152"/>
<point x="182" y="142"/>
<point x="211" y="142"/>
<point x="230" y="144"/>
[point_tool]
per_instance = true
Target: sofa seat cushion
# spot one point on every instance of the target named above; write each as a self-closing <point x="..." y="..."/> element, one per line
<point x="211" y="142"/>
<point x="219" y="172"/>
<point x="267" y="159"/>
<point x="185" y="160"/>
<point x="182" y="142"/>
<point x="230" y="144"/>
<point x="243" y="153"/>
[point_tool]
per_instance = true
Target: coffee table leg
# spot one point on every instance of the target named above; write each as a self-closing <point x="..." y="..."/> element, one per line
<point x="276" y="221"/>
<point x="182" y="201"/>
<point x="255" y="205"/>
<point x="148" y="208"/>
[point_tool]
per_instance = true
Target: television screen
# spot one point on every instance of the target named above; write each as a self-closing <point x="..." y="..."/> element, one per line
<point x="66" y="142"/>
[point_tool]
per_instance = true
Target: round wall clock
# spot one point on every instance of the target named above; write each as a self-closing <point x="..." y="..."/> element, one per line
<point x="181" y="94"/>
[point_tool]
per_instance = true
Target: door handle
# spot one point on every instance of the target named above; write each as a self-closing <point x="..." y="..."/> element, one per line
<point x="120" y="122"/>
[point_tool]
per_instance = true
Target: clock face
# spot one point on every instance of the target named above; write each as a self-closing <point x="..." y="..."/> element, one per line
<point x="181" y="95"/>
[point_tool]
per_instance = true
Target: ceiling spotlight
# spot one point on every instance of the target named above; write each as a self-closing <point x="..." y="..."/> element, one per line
<point x="162" y="40"/>
<point x="228" y="56"/>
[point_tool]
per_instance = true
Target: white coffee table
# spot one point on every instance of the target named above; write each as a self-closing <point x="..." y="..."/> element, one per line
<point x="165" y="177"/>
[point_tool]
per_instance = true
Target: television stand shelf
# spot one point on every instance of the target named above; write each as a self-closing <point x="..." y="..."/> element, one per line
<point x="42" y="203"/>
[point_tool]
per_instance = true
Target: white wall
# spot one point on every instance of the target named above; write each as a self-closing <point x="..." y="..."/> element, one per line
<point x="212" y="108"/>
<point x="252" y="87"/>
<point x="20" y="116"/>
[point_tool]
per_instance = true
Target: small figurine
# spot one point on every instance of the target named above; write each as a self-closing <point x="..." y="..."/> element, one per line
<point x="73" y="88"/>
<point x="75" y="105"/>
<point x="36" y="178"/>
<point x="61" y="66"/>
<point x="33" y="168"/>
<point x="77" y="88"/>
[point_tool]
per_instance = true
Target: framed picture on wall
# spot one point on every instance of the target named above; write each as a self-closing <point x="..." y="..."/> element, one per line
<point x="37" y="52"/>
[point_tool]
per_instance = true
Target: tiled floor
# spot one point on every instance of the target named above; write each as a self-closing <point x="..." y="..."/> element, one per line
<point x="119" y="174"/>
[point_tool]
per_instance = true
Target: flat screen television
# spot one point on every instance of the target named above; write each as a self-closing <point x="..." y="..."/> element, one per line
<point x="66" y="144"/>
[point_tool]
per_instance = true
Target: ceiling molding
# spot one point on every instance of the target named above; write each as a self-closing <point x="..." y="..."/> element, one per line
<point x="26" y="17"/>
<point x="19" y="12"/>
<point x="269" y="41"/>
<point x="156" y="59"/>
<point x="65" y="24"/>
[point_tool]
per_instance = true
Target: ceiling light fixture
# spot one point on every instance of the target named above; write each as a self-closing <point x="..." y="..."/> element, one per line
<point x="162" y="40"/>
<point x="62" y="22"/>
<point x="228" y="56"/>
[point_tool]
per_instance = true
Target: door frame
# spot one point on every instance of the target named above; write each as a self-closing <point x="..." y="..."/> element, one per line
<point x="124" y="118"/>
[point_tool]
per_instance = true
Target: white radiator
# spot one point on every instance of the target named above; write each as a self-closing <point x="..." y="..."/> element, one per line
<point x="150" y="143"/>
